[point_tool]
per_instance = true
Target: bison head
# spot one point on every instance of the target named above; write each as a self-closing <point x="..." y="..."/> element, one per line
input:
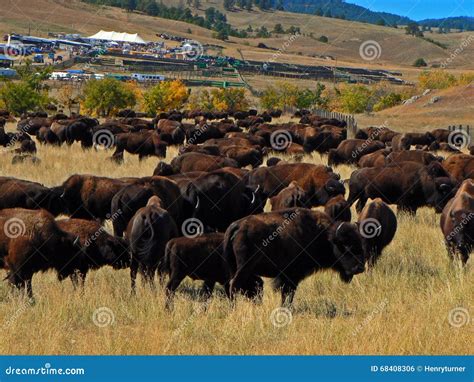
<point x="348" y="251"/>
<point x="331" y="188"/>
<point x="163" y="169"/>
<point x="444" y="190"/>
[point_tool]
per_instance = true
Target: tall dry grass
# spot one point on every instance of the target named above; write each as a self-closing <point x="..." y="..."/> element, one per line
<point x="400" y="307"/>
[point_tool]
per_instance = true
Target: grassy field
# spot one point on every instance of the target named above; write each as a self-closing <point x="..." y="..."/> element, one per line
<point x="403" y="306"/>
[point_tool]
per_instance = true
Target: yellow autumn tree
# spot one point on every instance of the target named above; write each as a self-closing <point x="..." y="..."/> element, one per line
<point x="165" y="96"/>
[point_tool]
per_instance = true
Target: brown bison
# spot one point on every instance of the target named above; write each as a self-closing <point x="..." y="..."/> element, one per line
<point x="351" y="150"/>
<point x="98" y="247"/>
<point x="291" y="196"/>
<point x="200" y="162"/>
<point x="409" y="185"/>
<point x="375" y="159"/>
<point x="290" y="245"/>
<point x="148" y="232"/>
<point x="377" y="226"/>
<point x="90" y="197"/>
<point x="460" y="167"/>
<point x="318" y="181"/>
<point x="145" y="143"/>
<point x="30" y="242"/>
<point x="30" y="195"/>
<point x="338" y="209"/>
<point x="457" y="222"/>
<point x="418" y="156"/>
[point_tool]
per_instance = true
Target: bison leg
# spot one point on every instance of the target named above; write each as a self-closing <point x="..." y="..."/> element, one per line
<point x="173" y="284"/>
<point x="148" y="273"/>
<point x="208" y="288"/>
<point x="361" y="203"/>
<point x="464" y="252"/>
<point x="133" y="275"/>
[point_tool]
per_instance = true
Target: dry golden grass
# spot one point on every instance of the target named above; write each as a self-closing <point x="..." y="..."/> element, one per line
<point x="400" y="307"/>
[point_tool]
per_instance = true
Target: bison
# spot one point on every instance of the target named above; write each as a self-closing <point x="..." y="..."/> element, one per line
<point x="290" y="245"/>
<point x="351" y="150"/>
<point x="338" y="209"/>
<point x="377" y="226"/>
<point x="291" y="196"/>
<point x="460" y="167"/>
<point x="457" y="222"/>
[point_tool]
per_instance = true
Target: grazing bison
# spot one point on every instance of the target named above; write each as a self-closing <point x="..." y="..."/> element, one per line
<point x="291" y="196"/>
<point x="170" y="131"/>
<point x="145" y="143"/>
<point x="457" y="222"/>
<point x="244" y="156"/>
<point x="460" y="167"/>
<point x="98" y="247"/>
<point x="18" y="193"/>
<point x="318" y="181"/>
<point x="351" y="150"/>
<point x="409" y="185"/>
<point x="90" y="197"/>
<point x="30" y="242"/>
<point x="338" y="209"/>
<point x="148" y="232"/>
<point x="377" y="226"/>
<point x="418" y="156"/>
<point x="290" y="245"/>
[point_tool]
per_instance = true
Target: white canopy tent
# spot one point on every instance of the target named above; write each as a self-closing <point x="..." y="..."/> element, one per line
<point x="118" y="36"/>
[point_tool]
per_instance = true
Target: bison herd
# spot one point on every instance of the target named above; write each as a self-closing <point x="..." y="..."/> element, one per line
<point x="202" y="214"/>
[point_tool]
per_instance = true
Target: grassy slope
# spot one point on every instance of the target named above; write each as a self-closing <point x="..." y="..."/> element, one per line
<point x="345" y="37"/>
<point x="401" y="307"/>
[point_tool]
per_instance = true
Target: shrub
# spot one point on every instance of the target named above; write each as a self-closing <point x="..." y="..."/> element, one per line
<point x="436" y="79"/>
<point x="106" y="97"/>
<point x="323" y="39"/>
<point x="419" y="63"/>
<point x="167" y="95"/>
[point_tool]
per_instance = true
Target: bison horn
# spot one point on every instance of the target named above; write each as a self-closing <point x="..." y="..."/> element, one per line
<point x="197" y="203"/>
<point x="258" y="188"/>
<point x="444" y="187"/>
<point x="253" y="198"/>
<point x="338" y="228"/>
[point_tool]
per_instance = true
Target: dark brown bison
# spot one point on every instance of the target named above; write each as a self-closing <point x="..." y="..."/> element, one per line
<point x="457" y="222"/>
<point x="98" y="247"/>
<point x="379" y="133"/>
<point x="409" y="185"/>
<point x="90" y="197"/>
<point x="351" y="150"/>
<point x="418" y="156"/>
<point x="377" y="226"/>
<point x="290" y="245"/>
<point x="404" y="141"/>
<point x="220" y="197"/>
<point x="170" y="131"/>
<point x="460" y="167"/>
<point x="244" y="156"/>
<point x="338" y="209"/>
<point x="130" y="198"/>
<point x="18" y="193"/>
<point x="145" y="143"/>
<point x="318" y="181"/>
<point x="441" y="135"/>
<point x="291" y="196"/>
<point x="148" y="232"/>
<point x="30" y="242"/>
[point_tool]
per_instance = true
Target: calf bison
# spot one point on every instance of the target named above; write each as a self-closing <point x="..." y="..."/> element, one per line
<point x="98" y="247"/>
<point x="377" y="226"/>
<point x="338" y="209"/>
<point x="290" y="245"/>
<point x="457" y="222"/>
<point x="291" y="196"/>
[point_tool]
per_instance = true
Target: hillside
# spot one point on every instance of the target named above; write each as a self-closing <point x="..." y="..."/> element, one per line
<point x="345" y="37"/>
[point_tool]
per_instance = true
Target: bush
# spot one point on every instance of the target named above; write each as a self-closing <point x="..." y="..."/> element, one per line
<point x="286" y="95"/>
<point x="106" y="97"/>
<point x="387" y="101"/>
<point x="436" y="79"/>
<point x="323" y="39"/>
<point x="20" y="97"/>
<point x="419" y="63"/>
<point x="355" y="99"/>
<point x="229" y="99"/>
<point x="167" y="95"/>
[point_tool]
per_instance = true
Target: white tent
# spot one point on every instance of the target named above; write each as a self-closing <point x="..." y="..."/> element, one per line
<point x="118" y="36"/>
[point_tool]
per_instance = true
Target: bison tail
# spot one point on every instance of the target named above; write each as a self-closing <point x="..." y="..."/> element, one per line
<point x="229" y="254"/>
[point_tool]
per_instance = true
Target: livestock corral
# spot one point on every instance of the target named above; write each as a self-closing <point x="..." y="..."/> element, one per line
<point x="251" y="233"/>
